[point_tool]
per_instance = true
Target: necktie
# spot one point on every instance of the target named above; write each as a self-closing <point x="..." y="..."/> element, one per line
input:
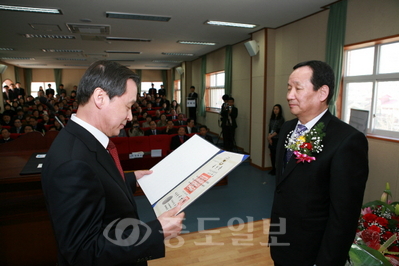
<point x="153" y="132"/>
<point x="114" y="154"/>
<point x="300" y="129"/>
<point x="181" y="139"/>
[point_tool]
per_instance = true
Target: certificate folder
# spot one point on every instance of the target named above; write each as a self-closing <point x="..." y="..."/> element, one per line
<point x="187" y="173"/>
<point x="34" y="164"/>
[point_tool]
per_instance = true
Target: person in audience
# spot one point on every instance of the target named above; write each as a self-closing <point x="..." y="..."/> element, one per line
<point x="8" y="94"/>
<point x="20" y="114"/>
<point x="165" y="100"/>
<point x="179" y="139"/>
<point x="149" y="107"/>
<point x="8" y="110"/>
<point x="152" y="90"/>
<point x="180" y="120"/>
<point x="5" y="136"/>
<point x="162" y="91"/>
<point x="192" y="111"/>
<point x="162" y="121"/>
<point x="28" y="129"/>
<point x="157" y="115"/>
<point x="157" y="102"/>
<point x="170" y="128"/>
<point x="63" y="119"/>
<point x="57" y="125"/>
<point x="275" y="124"/>
<point x="229" y="115"/>
<point x="62" y="91"/>
<point x="153" y="129"/>
<point x="147" y="122"/>
<point x="73" y="94"/>
<point x="36" y="114"/>
<point x="75" y="105"/>
<point x="173" y="114"/>
<point x="317" y="202"/>
<point x="191" y="128"/>
<point x="46" y="120"/>
<point x="19" y="92"/>
<point x="135" y="130"/>
<point x="6" y="121"/>
<point x="17" y="128"/>
<point x="49" y="91"/>
<point x="174" y="105"/>
<point x="165" y="108"/>
<point x="35" y="125"/>
<point x="52" y="128"/>
<point x="30" y="100"/>
<point x="85" y="187"/>
<point x="203" y="132"/>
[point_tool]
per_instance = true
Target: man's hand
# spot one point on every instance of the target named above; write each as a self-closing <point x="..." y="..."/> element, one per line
<point x="172" y="223"/>
<point x="140" y="174"/>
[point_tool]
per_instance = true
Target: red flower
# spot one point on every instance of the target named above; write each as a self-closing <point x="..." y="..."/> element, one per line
<point x="382" y="221"/>
<point x="393" y="248"/>
<point x="369" y="217"/>
<point x="387" y="235"/>
<point x="375" y="228"/>
<point x="306" y="145"/>
<point x="371" y="238"/>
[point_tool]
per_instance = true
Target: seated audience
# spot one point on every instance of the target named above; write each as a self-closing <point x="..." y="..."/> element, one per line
<point x="191" y="128"/>
<point x="170" y="128"/>
<point x="6" y="121"/>
<point x="162" y="121"/>
<point x="28" y="129"/>
<point x="35" y="125"/>
<point x="153" y="129"/>
<point x="203" y="132"/>
<point x="5" y="136"/>
<point x="179" y="139"/>
<point x="57" y="125"/>
<point x="175" y="106"/>
<point x="135" y="130"/>
<point x="173" y="114"/>
<point x="17" y="128"/>
<point x="147" y="122"/>
<point x="180" y="120"/>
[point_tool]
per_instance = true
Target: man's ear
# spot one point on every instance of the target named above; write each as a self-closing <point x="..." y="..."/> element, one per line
<point x="323" y="93"/>
<point x="100" y="97"/>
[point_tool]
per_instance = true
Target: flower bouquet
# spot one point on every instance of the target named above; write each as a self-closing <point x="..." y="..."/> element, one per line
<point x="376" y="241"/>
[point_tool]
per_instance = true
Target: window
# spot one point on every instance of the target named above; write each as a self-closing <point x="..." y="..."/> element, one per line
<point x="214" y="89"/>
<point x="35" y="86"/>
<point x="145" y="86"/>
<point x="177" y="92"/>
<point x="371" y="83"/>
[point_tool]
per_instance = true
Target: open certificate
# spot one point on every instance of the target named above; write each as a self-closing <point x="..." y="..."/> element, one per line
<point x="187" y="173"/>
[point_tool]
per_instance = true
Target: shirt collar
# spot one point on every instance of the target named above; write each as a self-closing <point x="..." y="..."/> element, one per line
<point x="313" y="122"/>
<point x="100" y="136"/>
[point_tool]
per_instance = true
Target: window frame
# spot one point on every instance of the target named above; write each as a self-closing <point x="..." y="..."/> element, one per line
<point x="375" y="78"/>
<point x="208" y="90"/>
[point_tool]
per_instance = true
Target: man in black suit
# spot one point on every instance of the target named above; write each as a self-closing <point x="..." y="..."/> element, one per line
<point x="317" y="201"/>
<point x="8" y="94"/>
<point x="89" y="198"/>
<point x="5" y="136"/>
<point x="153" y="129"/>
<point x="162" y="91"/>
<point x="179" y="139"/>
<point x="50" y="91"/>
<point x="180" y="120"/>
<point x="35" y="125"/>
<point x="191" y="128"/>
<point x="192" y="111"/>
<point x="17" y="128"/>
<point x="18" y="91"/>
<point x="203" y="132"/>
<point x="170" y="128"/>
<point x="229" y="115"/>
<point x="152" y="90"/>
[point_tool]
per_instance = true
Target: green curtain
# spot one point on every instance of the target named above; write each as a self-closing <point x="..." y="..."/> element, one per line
<point x="165" y="80"/>
<point x="28" y="80"/>
<point x="138" y="72"/>
<point x="335" y="44"/>
<point x="201" y="99"/>
<point x="228" y="69"/>
<point x="17" y="76"/>
<point x="58" y="79"/>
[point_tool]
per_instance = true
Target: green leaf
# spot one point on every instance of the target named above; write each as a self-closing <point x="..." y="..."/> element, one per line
<point x="362" y="255"/>
<point x="378" y="202"/>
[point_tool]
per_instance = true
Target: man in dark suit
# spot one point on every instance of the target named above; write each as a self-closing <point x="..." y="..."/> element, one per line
<point x="5" y="136"/>
<point x="19" y="92"/>
<point x="152" y="90"/>
<point x="50" y="91"/>
<point x="89" y="198"/>
<point x="170" y="128"/>
<point x="162" y="91"/>
<point x="8" y="94"/>
<point x="192" y="111"/>
<point x="153" y="129"/>
<point x="17" y="128"/>
<point x="317" y="201"/>
<point x="203" y="132"/>
<point x="180" y="121"/>
<point x="179" y="139"/>
<point x="191" y="128"/>
<point x="229" y="115"/>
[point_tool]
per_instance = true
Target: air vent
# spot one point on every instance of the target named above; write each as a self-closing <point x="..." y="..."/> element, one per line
<point x="18" y="58"/>
<point x="71" y="59"/>
<point x="48" y="36"/>
<point x="137" y="16"/>
<point x="121" y="52"/>
<point x="127" y="39"/>
<point x="89" y="28"/>
<point x="178" y="54"/>
<point x="95" y="55"/>
<point x="61" y="51"/>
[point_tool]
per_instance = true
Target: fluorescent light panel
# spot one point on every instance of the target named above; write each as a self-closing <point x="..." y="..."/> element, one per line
<point x="127" y="39"/>
<point x="178" y="54"/>
<point x="157" y="66"/>
<point x="61" y="51"/>
<point x="121" y="52"/>
<point x="18" y="58"/>
<point x="230" y="24"/>
<point x="6" y="49"/>
<point x="166" y="61"/>
<point x="137" y="16"/>
<point x="49" y="36"/>
<point x="31" y="9"/>
<point x="197" y="42"/>
<point x="71" y="59"/>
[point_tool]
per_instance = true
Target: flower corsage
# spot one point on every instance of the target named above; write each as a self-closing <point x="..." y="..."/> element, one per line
<point x="303" y="146"/>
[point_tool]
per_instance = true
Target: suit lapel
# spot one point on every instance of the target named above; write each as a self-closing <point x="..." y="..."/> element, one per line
<point x="292" y="162"/>
<point x="103" y="157"/>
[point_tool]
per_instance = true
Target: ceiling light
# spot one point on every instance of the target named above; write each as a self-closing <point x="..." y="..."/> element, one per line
<point x="197" y="42"/>
<point x="72" y="65"/>
<point x="71" y="59"/>
<point x="61" y="51"/>
<point x="157" y="66"/>
<point x="178" y="54"/>
<point x="230" y="24"/>
<point x="48" y="36"/>
<point x="18" y="58"/>
<point x="166" y="61"/>
<point x="127" y="39"/>
<point x="6" y="49"/>
<point x="89" y="28"/>
<point x="32" y="64"/>
<point x="137" y="16"/>
<point x="121" y="52"/>
<point x="31" y="9"/>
